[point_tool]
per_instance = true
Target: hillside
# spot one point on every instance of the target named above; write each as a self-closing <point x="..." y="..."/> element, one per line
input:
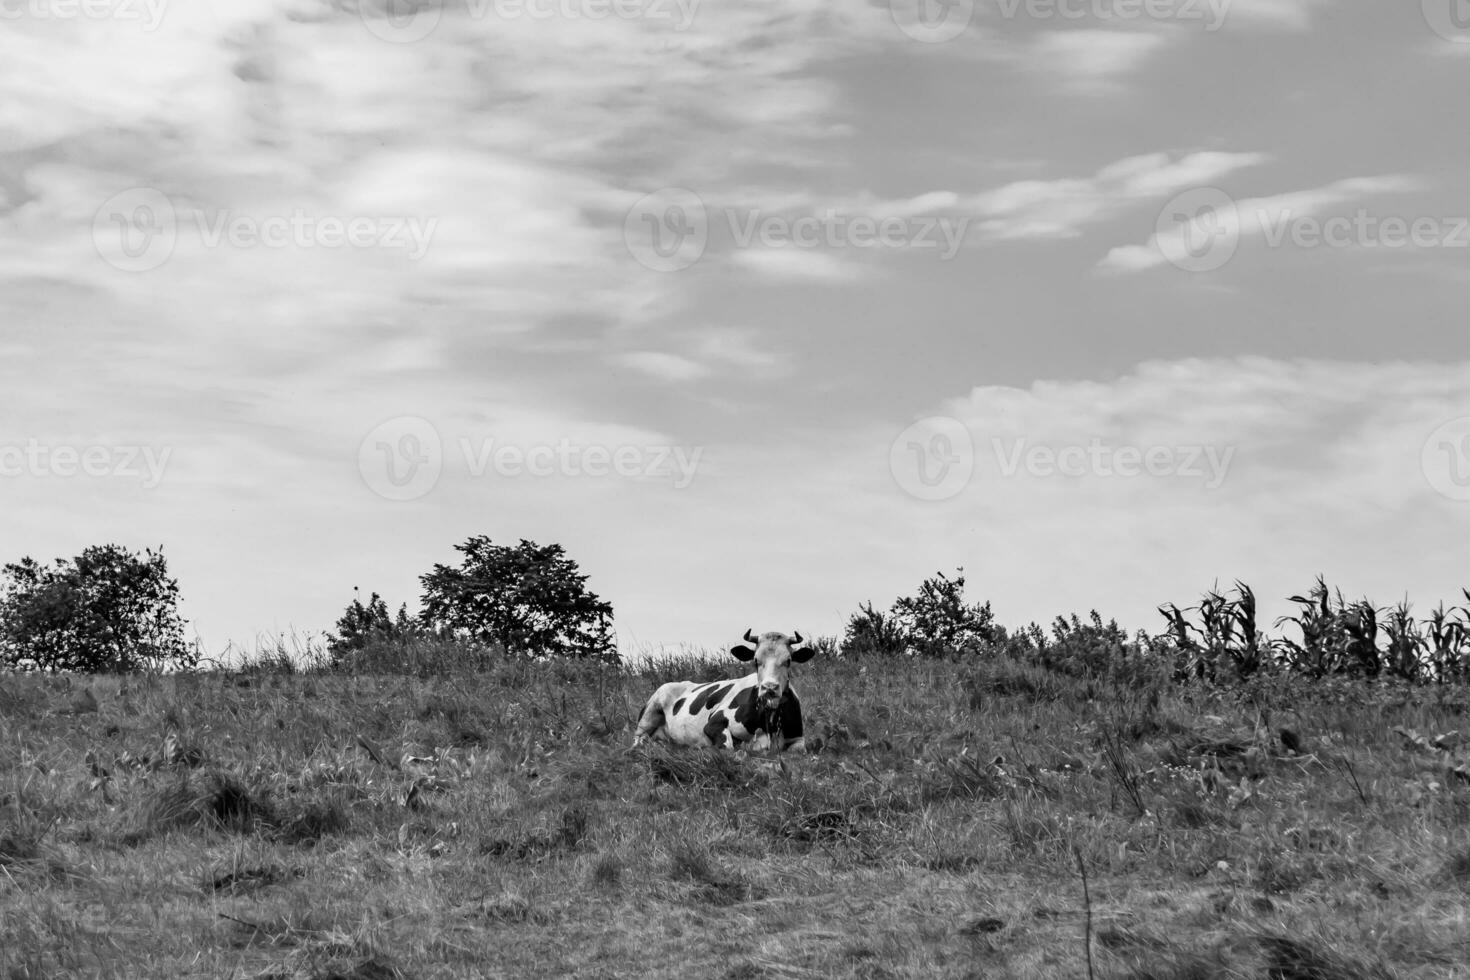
<point x="495" y="824"/>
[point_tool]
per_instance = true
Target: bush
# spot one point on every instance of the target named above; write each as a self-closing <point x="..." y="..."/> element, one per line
<point x="362" y="625"/>
<point x="872" y="632"/>
<point x="525" y="599"/>
<point x="937" y="622"/>
<point x="106" y="610"/>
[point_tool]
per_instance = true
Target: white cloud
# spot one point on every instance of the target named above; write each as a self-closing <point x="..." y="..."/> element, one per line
<point x="1318" y="457"/>
<point x="738" y="348"/>
<point x="663" y="365"/>
<point x="800" y="264"/>
<point x="1061" y="208"/>
<point x="1251" y="218"/>
<point x="1087" y="60"/>
<point x="1293" y="15"/>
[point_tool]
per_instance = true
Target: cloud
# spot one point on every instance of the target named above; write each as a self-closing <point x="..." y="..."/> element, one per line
<point x="1247" y="219"/>
<point x="1289" y="15"/>
<point x="799" y="264"/>
<point x="738" y="348"/>
<point x="1090" y="60"/>
<point x="663" y="366"/>
<point x="1258" y="467"/>
<point x="1062" y="208"/>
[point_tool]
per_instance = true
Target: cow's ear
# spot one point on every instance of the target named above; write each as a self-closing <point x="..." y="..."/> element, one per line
<point x="803" y="653"/>
<point x="742" y="652"/>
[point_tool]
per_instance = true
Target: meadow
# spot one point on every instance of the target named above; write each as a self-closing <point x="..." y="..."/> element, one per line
<point x="966" y="817"/>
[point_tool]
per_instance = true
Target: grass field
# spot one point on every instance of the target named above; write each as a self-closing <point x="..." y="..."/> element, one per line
<point x="495" y="824"/>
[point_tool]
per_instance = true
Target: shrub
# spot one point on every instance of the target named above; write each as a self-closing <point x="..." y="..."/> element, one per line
<point x="106" y="610"/>
<point x="526" y="599"/>
<point x="870" y="631"/>
<point x="361" y="625"/>
<point x="936" y="622"/>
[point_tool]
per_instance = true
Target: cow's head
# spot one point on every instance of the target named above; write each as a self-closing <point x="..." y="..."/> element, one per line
<point x="773" y="653"/>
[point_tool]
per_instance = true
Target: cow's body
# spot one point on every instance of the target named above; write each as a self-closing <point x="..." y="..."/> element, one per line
<point x="758" y="710"/>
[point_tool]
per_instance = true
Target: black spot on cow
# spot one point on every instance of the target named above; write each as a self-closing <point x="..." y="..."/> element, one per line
<point x="752" y="717"/>
<point x="789" y="716"/>
<point x="697" y="698"/>
<point x="714" y="729"/>
<point x="784" y="719"/>
<point x="679" y="704"/>
<point x="709" y="696"/>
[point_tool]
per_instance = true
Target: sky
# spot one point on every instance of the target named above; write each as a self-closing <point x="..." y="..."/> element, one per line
<point x="760" y="310"/>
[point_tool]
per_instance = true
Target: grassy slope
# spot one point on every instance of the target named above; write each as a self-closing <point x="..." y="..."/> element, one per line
<point x="217" y="825"/>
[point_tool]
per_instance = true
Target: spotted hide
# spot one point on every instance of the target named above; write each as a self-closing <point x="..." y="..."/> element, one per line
<point x="759" y="710"/>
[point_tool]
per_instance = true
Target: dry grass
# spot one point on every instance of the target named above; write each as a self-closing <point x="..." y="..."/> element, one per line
<point x="306" y="827"/>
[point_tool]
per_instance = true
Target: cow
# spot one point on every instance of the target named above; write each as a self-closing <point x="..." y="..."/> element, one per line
<point x="760" y="708"/>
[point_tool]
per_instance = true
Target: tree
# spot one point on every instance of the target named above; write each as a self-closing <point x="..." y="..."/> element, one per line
<point x="108" y="609"/>
<point x="936" y="622"/>
<point x="873" y="632"/>
<point x="361" y="624"/>
<point x="527" y="598"/>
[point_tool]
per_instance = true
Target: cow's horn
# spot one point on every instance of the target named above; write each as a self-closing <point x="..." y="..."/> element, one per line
<point x="750" y="637"/>
<point x="796" y="639"/>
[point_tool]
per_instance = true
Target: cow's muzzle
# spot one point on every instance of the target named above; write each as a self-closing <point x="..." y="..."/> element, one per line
<point x="768" y="697"/>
